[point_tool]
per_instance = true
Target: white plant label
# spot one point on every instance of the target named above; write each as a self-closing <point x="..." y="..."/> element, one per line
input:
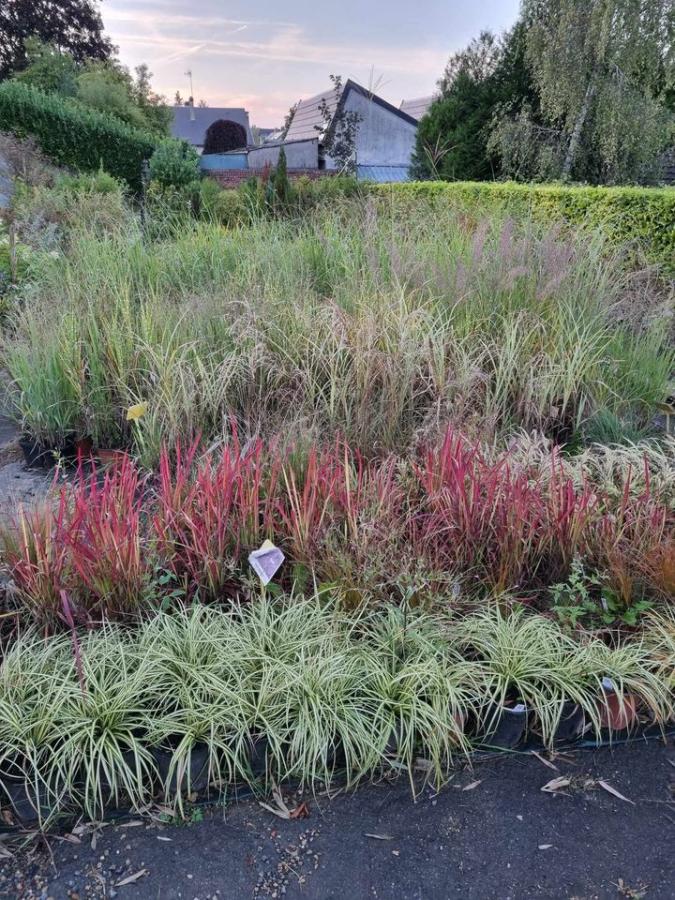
<point x="266" y="561"/>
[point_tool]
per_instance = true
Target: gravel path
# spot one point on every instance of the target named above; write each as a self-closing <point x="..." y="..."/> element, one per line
<point x="18" y="485"/>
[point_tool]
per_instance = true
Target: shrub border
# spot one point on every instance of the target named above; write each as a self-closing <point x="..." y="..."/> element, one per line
<point x="74" y="135"/>
<point x="641" y="215"/>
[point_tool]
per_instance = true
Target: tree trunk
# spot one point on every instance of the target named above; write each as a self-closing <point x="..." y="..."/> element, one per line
<point x="575" y="139"/>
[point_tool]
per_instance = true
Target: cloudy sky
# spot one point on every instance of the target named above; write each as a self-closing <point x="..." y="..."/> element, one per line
<point x="265" y="55"/>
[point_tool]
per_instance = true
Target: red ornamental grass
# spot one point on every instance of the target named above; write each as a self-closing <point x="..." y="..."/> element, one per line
<point x="453" y="512"/>
<point x="208" y="514"/>
<point x="316" y="498"/>
<point x="337" y="502"/>
<point x="108" y="550"/>
<point x="508" y="527"/>
<point x="570" y="516"/>
<point x="475" y="516"/>
<point x="634" y="544"/>
<point x="36" y="551"/>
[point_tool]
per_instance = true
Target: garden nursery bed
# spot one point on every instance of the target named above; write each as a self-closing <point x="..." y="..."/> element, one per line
<point x="357" y="485"/>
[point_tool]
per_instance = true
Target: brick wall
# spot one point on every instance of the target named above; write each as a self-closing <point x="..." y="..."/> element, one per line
<point x="232" y="178"/>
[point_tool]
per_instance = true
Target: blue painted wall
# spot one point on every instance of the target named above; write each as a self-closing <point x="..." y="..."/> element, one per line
<point x="219" y="162"/>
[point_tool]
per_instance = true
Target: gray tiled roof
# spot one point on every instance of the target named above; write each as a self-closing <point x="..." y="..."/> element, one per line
<point x="308" y="121"/>
<point x="184" y="128"/>
<point x="418" y="107"/>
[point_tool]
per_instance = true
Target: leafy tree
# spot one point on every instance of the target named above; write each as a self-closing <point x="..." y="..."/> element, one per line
<point x="73" y="26"/>
<point x="104" y="85"/>
<point x="340" y="129"/>
<point x="174" y="164"/>
<point x="108" y="88"/>
<point x="223" y="136"/>
<point x="453" y="138"/>
<point x="603" y="70"/>
<point x="153" y="106"/>
<point x="49" y="70"/>
<point x="478" y="61"/>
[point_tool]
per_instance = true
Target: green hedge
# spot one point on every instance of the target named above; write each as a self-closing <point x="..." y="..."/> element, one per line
<point x="74" y="135"/>
<point x="626" y="214"/>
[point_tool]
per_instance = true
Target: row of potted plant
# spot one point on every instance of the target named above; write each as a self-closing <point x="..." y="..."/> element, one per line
<point x="447" y="518"/>
<point x="199" y="699"/>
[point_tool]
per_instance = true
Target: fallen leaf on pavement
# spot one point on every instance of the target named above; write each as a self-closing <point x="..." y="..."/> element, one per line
<point x="545" y="846"/>
<point x="380" y="837"/>
<point x="282" y="811"/>
<point x="614" y="792"/>
<point x="632" y="893"/>
<point x="472" y="785"/>
<point x="131" y="878"/>
<point x="300" y="812"/>
<point x="546" y="762"/>
<point x="161" y="838"/>
<point x="556" y="784"/>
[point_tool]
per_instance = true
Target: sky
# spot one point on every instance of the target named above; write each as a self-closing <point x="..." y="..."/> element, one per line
<point x="265" y="55"/>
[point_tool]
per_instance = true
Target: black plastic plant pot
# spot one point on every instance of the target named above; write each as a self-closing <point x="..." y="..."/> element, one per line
<point x="618" y="714"/>
<point x="506" y="726"/>
<point x="198" y="775"/>
<point x="258" y="754"/>
<point x="36" y="454"/>
<point x="129" y="760"/>
<point x="20" y="796"/>
<point x="336" y="757"/>
<point x="393" y="746"/>
<point x="571" y="724"/>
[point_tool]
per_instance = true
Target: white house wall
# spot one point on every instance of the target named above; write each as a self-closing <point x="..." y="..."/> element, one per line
<point x="299" y="155"/>
<point x="383" y="138"/>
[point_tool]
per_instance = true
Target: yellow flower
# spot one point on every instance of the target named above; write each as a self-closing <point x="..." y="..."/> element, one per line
<point x="135" y="412"/>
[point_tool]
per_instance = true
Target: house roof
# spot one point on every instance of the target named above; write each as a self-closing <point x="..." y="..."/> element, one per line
<point x="308" y="121"/>
<point x="417" y="107"/>
<point x="185" y="129"/>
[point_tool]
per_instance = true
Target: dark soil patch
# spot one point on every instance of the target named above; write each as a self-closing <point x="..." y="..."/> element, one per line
<point x="491" y="833"/>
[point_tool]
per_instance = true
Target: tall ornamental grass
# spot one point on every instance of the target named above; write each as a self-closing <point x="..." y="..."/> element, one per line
<point x="352" y="321"/>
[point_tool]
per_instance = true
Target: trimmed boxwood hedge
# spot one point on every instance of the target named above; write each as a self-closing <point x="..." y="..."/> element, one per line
<point x="643" y="215"/>
<point x="74" y="135"/>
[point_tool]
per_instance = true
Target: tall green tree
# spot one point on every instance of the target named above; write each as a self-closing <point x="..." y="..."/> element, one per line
<point x="453" y="138"/>
<point x="603" y="71"/>
<point x="73" y="26"/>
